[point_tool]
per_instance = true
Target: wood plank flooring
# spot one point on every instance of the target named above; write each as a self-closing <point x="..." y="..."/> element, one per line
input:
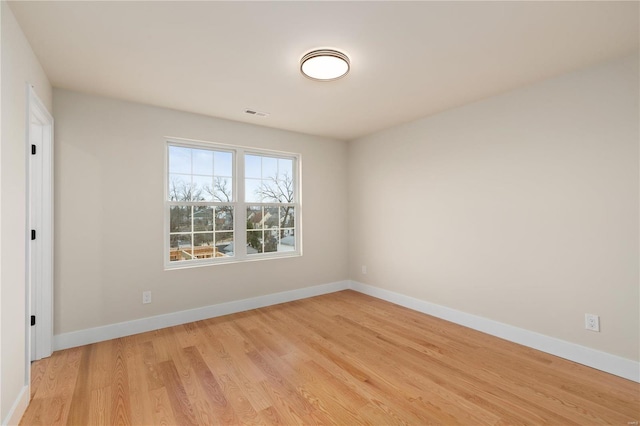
<point x="343" y="358"/>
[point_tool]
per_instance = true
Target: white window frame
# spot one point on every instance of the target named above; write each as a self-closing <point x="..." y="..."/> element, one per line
<point x="239" y="204"/>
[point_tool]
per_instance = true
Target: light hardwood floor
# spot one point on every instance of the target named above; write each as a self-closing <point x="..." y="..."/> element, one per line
<point x="343" y="358"/>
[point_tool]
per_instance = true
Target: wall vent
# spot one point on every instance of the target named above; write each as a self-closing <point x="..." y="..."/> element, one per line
<point x="256" y="113"/>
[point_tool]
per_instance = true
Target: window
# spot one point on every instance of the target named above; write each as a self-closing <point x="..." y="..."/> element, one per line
<point x="270" y="198"/>
<point x="227" y="204"/>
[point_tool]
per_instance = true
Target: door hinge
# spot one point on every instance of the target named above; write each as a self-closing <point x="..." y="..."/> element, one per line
<point x="33" y="320"/>
<point x="33" y="234"/>
<point x="33" y="150"/>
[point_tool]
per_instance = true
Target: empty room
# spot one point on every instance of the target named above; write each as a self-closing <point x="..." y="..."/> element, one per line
<point x="319" y="212"/>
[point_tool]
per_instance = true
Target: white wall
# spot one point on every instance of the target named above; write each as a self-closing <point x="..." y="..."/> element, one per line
<point x="109" y="210"/>
<point x="19" y="66"/>
<point x="522" y="208"/>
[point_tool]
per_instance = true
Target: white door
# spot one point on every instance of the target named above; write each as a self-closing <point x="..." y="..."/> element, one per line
<point x="40" y="229"/>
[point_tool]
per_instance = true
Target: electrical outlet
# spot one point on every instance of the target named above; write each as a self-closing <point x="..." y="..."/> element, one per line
<point x="146" y="297"/>
<point x="364" y="269"/>
<point x="592" y="322"/>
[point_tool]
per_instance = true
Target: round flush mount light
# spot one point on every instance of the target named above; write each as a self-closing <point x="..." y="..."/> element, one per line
<point x="324" y="64"/>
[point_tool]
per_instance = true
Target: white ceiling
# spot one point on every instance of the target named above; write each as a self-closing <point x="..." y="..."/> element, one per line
<point x="409" y="59"/>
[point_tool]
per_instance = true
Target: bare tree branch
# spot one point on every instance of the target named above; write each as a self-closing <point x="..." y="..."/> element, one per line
<point x="179" y="190"/>
<point x="221" y="192"/>
<point x="277" y="189"/>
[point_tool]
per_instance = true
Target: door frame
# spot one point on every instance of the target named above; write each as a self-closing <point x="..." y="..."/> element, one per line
<point x="39" y="265"/>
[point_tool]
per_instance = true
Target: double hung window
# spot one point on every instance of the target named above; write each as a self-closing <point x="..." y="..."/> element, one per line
<point x="226" y="204"/>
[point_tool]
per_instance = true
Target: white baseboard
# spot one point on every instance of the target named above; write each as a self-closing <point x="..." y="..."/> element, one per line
<point x="582" y="355"/>
<point x="19" y="407"/>
<point x="590" y="357"/>
<point x="113" y="331"/>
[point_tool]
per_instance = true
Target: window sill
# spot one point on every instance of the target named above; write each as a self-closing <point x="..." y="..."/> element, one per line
<point x="188" y="264"/>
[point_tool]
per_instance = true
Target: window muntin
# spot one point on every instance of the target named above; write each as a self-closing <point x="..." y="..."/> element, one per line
<point x="200" y="174"/>
<point x="200" y="198"/>
<point x="270" y="229"/>
<point x="269" y="179"/>
<point x="203" y="212"/>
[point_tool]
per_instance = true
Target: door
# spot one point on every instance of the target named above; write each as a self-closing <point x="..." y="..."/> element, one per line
<point x="40" y="228"/>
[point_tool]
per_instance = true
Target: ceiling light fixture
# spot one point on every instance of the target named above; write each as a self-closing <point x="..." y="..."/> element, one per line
<point x="324" y="64"/>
